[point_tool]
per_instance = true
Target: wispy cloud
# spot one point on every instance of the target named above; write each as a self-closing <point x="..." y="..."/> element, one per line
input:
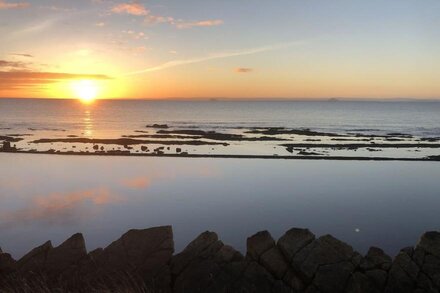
<point x="203" y="23"/>
<point x="137" y="182"/>
<point x="59" y="207"/>
<point x="13" y="5"/>
<point x="22" y="55"/>
<point x="215" y="56"/>
<point x="13" y="65"/>
<point x="243" y="70"/>
<point x="133" y="8"/>
<point x="32" y="79"/>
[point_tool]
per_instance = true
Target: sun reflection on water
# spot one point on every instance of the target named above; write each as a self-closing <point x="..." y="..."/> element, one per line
<point x="88" y="123"/>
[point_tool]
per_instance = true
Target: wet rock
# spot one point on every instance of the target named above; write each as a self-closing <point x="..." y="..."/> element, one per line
<point x="161" y="126"/>
<point x="96" y="147"/>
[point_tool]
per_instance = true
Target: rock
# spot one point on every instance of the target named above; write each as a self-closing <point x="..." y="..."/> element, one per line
<point x="178" y="150"/>
<point x="430" y="242"/>
<point x="7" y="264"/>
<point x="360" y="283"/>
<point x="294" y="240"/>
<point x="140" y="253"/>
<point x="323" y="251"/>
<point x="376" y="259"/>
<point x="193" y="250"/>
<point x="162" y="126"/>
<point x="274" y="262"/>
<point x="67" y="255"/>
<point x="34" y="260"/>
<point x="333" y="277"/>
<point x="96" y="147"/>
<point x="258" y="244"/>
<point x="403" y="274"/>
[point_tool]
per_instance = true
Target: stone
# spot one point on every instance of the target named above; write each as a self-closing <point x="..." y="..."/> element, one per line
<point x="293" y="241"/>
<point x="7" y="263"/>
<point x="430" y="242"/>
<point x="274" y="262"/>
<point x="139" y="253"/>
<point x="192" y="251"/>
<point x="258" y="244"/>
<point x="66" y="255"/>
<point x="35" y="260"/>
<point x="333" y="277"/>
<point x="323" y="251"/>
<point x="376" y="259"/>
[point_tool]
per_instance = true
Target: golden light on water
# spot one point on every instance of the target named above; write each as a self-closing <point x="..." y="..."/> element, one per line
<point x="86" y="90"/>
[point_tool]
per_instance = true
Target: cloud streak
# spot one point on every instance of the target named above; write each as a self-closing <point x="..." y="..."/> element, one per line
<point x="31" y="79"/>
<point x="13" y="5"/>
<point x="59" y="207"/>
<point x="130" y="8"/>
<point x="214" y="56"/>
<point x="243" y="70"/>
<point x="203" y="23"/>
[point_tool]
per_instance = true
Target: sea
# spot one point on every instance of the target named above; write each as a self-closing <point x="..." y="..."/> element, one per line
<point x="52" y="195"/>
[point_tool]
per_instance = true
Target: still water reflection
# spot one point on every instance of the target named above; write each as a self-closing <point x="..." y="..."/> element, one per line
<point x="387" y="204"/>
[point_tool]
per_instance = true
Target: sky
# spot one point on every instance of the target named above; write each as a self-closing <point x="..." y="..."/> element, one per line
<point x="220" y="49"/>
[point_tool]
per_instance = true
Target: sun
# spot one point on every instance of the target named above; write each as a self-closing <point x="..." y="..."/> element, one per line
<point x="86" y="90"/>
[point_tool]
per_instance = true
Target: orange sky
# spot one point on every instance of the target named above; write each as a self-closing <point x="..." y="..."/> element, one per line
<point x="292" y="49"/>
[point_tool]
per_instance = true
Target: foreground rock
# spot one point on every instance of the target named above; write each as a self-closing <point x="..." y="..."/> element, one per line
<point x="143" y="261"/>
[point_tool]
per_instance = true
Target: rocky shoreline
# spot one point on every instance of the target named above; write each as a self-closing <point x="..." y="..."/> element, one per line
<point x="144" y="261"/>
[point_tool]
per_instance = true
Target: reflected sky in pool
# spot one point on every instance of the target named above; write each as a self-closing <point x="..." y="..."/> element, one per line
<point x="42" y="197"/>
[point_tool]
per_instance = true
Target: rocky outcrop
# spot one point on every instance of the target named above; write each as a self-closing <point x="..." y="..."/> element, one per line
<point x="143" y="261"/>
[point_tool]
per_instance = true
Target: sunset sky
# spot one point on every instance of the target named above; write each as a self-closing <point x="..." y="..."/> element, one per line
<point x="220" y="48"/>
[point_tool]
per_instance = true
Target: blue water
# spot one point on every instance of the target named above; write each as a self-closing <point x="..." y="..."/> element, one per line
<point x="106" y="116"/>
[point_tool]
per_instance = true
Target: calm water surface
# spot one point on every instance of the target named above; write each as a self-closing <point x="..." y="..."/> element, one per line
<point x="386" y="204"/>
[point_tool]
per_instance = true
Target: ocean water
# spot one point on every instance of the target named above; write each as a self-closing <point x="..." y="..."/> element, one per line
<point x="115" y="116"/>
<point x="382" y="203"/>
<point x="64" y="124"/>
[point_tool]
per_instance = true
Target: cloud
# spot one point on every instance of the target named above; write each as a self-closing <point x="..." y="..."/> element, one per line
<point x="243" y="70"/>
<point x="202" y="23"/>
<point x="133" y="8"/>
<point x="100" y="24"/>
<point x="13" y="5"/>
<point x="137" y="183"/>
<point x="31" y="79"/>
<point x="59" y="207"/>
<point x="22" y="55"/>
<point x="221" y="55"/>
<point x="13" y="65"/>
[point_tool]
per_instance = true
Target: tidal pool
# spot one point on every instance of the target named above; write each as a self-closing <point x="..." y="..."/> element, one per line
<point x="50" y="197"/>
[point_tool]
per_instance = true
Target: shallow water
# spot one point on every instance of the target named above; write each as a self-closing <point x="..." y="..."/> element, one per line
<point x="42" y="197"/>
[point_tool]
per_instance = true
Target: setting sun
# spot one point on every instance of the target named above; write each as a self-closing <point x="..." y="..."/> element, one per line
<point x="85" y="90"/>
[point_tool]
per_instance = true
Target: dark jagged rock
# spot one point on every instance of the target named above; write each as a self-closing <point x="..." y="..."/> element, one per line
<point x="66" y="257"/>
<point x="144" y="253"/>
<point x="259" y="244"/>
<point x="34" y="260"/>
<point x="143" y="261"/>
<point x="293" y="241"/>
